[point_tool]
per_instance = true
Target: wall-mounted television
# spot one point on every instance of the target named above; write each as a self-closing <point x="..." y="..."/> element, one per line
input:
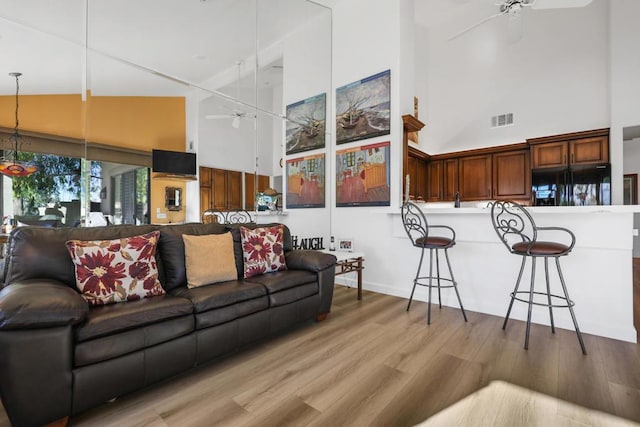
<point x="173" y="162"/>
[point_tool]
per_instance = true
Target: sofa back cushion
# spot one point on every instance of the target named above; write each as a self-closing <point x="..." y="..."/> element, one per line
<point x="41" y="252"/>
<point x="237" y="241"/>
<point x="171" y="251"/>
<point x="203" y="268"/>
<point x="262" y="250"/>
<point x="111" y="271"/>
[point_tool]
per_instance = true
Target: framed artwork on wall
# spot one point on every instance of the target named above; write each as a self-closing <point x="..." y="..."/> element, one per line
<point x="363" y="108"/>
<point x="362" y="176"/>
<point x="306" y="123"/>
<point x="305" y="182"/>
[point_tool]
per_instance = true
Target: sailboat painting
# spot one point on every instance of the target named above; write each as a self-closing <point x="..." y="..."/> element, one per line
<point x="363" y="108"/>
<point x="306" y="124"/>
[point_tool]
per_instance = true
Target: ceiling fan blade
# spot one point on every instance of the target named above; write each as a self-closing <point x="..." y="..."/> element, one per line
<point x="219" y="116"/>
<point x="477" y="24"/>
<point x="559" y="4"/>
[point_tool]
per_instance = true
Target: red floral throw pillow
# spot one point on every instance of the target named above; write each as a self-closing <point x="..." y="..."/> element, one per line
<point x="262" y="250"/>
<point x="110" y="271"/>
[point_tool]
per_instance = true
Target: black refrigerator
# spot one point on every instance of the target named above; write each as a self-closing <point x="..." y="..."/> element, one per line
<point x="577" y="186"/>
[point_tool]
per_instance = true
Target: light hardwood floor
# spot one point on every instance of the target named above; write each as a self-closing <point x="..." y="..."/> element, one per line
<point x="372" y="363"/>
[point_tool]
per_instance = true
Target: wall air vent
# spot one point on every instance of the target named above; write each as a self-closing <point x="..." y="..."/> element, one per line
<point x="502" y="120"/>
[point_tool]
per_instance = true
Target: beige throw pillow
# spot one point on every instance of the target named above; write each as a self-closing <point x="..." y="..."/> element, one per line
<point x="209" y="259"/>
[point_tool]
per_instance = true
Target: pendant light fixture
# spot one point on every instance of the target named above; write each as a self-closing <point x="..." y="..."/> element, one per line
<point x="14" y="167"/>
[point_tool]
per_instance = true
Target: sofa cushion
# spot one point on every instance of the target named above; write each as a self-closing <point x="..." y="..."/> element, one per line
<point x="263" y="250"/>
<point x="284" y="287"/>
<point x="110" y="271"/>
<point x="115" y="318"/>
<point x="237" y="241"/>
<point x="118" y="344"/>
<point x="209" y="259"/>
<point x="231" y="312"/>
<point x="222" y="294"/>
<point x="171" y="251"/>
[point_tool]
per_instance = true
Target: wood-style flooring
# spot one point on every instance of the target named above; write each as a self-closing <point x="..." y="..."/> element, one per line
<point x="372" y="363"/>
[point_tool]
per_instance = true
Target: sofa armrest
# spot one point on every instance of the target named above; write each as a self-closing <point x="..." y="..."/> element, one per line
<point x="40" y="304"/>
<point x="309" y="260"/>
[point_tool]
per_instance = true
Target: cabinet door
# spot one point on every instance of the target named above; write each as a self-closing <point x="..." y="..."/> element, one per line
<point x="219" y="189"/>
<point x="421" y="180"/>
<point x="588" y="151"/>
<point x="234" y="190"/>
<point x="412" y="164"/>
<point x="434" y="181"/>
<point x="474" y="175"/>
<point x="511" y="175"/>
<point x="450" y="182"/>
<point x="549" y="155"/>
<point x="205" y="176"/>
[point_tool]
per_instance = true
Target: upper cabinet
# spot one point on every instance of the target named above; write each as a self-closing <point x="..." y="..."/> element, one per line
<point x="570" y="150"/>
<point x="492" y="173"/>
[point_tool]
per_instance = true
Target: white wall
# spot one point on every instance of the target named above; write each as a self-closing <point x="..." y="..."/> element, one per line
<point x="625" y="83"/>
<point x="307" y="73"/>
<point x="555" y="79"/>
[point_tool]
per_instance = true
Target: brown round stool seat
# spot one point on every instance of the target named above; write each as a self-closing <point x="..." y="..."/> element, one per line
<point x="540" y="248"/>
<point x="435" y="242"/>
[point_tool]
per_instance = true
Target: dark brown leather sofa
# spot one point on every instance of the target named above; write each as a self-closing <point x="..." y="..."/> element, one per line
<point x="59" y="357"/>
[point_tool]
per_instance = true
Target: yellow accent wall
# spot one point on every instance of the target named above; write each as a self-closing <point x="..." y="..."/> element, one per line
<point x="158" y="186"/>
<point x="135" y="122"/>
<point x="61" y="115"/>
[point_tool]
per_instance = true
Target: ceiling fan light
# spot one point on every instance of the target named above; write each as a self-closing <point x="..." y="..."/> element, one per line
<point x="235" y="123"/>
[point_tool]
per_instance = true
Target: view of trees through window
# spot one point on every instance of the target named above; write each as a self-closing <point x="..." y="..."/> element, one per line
<point x="53" y="196"/>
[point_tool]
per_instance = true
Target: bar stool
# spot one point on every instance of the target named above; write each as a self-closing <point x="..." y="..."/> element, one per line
<point x="517" y="230"/>
<point x="418" y="230"/>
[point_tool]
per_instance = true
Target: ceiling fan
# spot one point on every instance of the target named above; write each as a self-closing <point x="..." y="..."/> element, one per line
<point x="513" y="10"/>
<point x="236" y="114"/>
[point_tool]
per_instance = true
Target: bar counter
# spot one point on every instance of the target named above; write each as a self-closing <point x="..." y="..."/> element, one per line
<point x="598" y="271"/>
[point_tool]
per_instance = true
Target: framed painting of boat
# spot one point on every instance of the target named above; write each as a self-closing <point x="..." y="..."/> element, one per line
<point x="362" y="176"/>
<point x="363" y="108"/>
<point x="305" y="182"/>
<point x="306" y="123"/>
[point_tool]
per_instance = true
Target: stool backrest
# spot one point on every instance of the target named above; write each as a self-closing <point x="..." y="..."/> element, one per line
<point x="235" y="216"/>
<point x="512" y="223"/>
<point x="414" y="221"/>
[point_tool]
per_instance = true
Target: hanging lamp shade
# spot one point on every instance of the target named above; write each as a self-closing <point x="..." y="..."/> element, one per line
<point x="13" y="167"/>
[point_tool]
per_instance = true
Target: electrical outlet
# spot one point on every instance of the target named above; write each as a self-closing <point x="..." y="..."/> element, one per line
<point x="635" y="232"/>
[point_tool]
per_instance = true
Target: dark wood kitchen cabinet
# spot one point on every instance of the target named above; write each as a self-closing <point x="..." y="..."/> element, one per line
<point x="474" y="177"/>
<point x="502" y="172"/>
<point x="220" y="189"/>
<point x="417" y="168"/>
<point x="569" y="150"/>
<point x="434" y="181"/>
<point x="511" y="175"/>
<point x="450" y="180"/>
<point x="442" y="180"/>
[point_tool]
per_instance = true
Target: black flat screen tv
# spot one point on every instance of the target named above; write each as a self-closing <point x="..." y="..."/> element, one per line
<point x="173" y="162"/>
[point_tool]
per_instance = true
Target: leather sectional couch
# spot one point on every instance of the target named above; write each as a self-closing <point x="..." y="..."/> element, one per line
<point x="59" y="356"/>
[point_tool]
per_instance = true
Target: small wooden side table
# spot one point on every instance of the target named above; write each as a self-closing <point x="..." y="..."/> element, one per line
<point x="348" y="262"/>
